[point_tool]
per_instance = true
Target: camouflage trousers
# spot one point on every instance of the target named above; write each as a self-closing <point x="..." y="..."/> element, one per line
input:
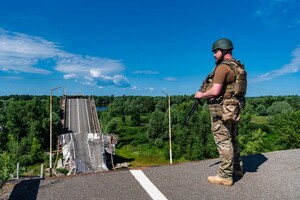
<point x="225" y="136"/>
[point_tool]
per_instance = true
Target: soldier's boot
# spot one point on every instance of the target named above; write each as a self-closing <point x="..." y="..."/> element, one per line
<point x="221" y="181"/>
<point x="238" y="171"/>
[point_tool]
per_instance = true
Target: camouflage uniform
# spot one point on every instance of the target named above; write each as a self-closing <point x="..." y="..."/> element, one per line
<point x="225" y="114"/>
<point x="225" y="136"/>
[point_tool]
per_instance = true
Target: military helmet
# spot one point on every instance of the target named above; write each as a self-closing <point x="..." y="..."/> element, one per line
<point x="223" y="43"/>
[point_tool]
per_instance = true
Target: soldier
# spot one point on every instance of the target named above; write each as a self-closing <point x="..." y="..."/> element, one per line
<point x="224" y="90"/>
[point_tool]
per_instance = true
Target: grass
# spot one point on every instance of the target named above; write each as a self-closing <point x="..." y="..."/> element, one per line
<point x="259" y="119"/>
<point x="142" y="155"/>
<point x="133" y="146"/>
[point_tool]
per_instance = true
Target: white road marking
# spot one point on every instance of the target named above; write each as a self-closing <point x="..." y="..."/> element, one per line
<point x="87" y="115"/>
<point x="78" y="116"/>
<point x="69" y="124"/>
<point x="147" y="185"/>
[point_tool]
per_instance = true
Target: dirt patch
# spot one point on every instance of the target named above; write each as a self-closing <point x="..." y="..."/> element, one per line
<point x="6" y="189"/>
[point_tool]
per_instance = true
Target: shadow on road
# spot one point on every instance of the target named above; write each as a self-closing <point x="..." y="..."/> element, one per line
<point x="26" y="189"/>
<point x="252" y="162"/>
<point x="116" y="159"/>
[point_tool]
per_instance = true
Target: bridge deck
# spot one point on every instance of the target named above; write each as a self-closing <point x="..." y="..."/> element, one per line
<point x="82" y="141"/>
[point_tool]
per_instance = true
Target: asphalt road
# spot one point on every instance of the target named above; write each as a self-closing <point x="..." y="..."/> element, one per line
<point x="270" y="176"/>
<point x="78" y="116"/>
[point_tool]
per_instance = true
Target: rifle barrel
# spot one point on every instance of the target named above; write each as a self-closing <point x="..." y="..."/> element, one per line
<point x="194" y="107"/>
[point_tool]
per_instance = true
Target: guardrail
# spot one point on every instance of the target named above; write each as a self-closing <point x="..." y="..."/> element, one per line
<point x="63" y="104"/>
<point x="95" y="116"/>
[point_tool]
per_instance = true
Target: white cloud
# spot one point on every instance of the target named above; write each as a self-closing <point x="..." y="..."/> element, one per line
<point x="292" y="67"/>
<point x="9" y="78"/>
<point x="95" y="73"/>
<point x="94" y="70"/>
<point x="86" y="64"/>
<point x="70" y="76"/>
<point x="150" y="89"/>
<point x="278" y="13"/>
<point x="170" y="79"/>
<point x="121" y="81"/>
<point x="135" y="88"/>
<point x="22" y="53"/>
<point x="145" y="72"/>
<point x="21" y="45"/>
<point x="117" y="81"/>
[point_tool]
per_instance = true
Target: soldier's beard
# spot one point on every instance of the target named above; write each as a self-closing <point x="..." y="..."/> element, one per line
<point x="218" y="61"/>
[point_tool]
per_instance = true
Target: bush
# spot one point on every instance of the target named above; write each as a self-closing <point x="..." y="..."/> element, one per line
<point x="5" y="166"/>
<point x="63" y="171"/>
<point x="279" y="107"/>
<point x="287" y="127"/>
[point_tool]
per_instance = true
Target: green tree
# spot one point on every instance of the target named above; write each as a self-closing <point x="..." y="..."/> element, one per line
<point x="279" y="107"/>
<point x="6" y="166"/>
<point x="255" y="143"/>
<point x="244" y="130"/>
<point x="35" y="153"/>
<point x="294" y="101"/>
<point x="287" y="127"/>
<point x="162" y="105"/>
<point x="116" y="107"/>
<point x="179" y="133"/>
<point x="261" y="110"/>
<point x="136" y="119"/>
<point x="112" y="126"/>
<point x="201" y="143"/>
<point x="156" y="127"/>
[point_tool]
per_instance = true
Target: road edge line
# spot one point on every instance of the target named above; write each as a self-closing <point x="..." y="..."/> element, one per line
<point x="150" y="188"/>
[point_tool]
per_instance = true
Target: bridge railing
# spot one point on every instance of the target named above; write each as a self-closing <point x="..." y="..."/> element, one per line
<point x="63" y="104"/>
<point x="94" y="116"/>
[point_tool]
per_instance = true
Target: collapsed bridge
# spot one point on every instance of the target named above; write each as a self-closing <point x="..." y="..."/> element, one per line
<point x="83" y="144"/>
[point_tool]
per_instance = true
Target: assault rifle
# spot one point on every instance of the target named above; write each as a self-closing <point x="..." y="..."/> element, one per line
<point x="198" y="101"/>
<point x="194" y="107"/>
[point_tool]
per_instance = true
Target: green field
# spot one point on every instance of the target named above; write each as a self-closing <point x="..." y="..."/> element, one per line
<point x="259" y="119"/>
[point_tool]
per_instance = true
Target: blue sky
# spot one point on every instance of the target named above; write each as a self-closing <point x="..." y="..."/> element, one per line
<point x="134" y="47"/>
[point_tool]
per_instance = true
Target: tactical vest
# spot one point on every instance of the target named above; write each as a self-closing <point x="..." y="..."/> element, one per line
<point x="232" y="97"/>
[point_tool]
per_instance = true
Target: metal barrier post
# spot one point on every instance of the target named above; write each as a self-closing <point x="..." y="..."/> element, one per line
<point x="42" y="170"/>
<point x="18" y="171"/>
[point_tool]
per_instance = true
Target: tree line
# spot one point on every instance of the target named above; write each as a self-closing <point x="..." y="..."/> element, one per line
<point x="268" y="123"/>
<point x="24" y="134"/>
